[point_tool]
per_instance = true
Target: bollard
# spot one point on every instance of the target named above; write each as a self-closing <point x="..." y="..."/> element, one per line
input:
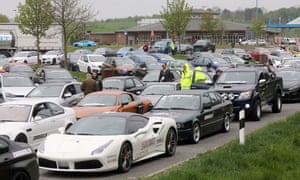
<point x="242" y="126"/>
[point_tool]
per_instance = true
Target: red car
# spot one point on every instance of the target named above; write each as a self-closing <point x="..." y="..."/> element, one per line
<point x="111" y="101"/>
<point x="257" y="53"/>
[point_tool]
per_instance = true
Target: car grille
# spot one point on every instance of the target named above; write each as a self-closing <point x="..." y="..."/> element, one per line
<point x="230" y="96"/>
<point x="47" y="163"/>
<point x="90" y="164"/>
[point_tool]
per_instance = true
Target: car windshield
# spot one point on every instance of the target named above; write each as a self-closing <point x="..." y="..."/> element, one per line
<point x="124" y="62"/>
<point x="46" y="91"/>
<point x="21" y="54"/>
<point x="14" y="113"/>
<point x="98" y="100"/>
<point x="113" y="84"/>
<point x="185" y="102"/>
<point x="17" y="82"/>
<point x="58" y="75"/>
<point x="158" y="89"/>
<point x="289" y="75"/>
<point x="99" y="125"/>
<point x="237" y="77"/>
<point x="20" y="69"/>
<point x="151" y="76"/>
<point x="52" y="53"/>
<point x="97" y="58"/>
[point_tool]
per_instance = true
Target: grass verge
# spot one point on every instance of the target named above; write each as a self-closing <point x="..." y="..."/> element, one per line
<point x="271" y="153"/>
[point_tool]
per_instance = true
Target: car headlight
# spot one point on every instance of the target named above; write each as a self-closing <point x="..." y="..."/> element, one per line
<point x="101" y="148"/>
<point x="41" y="148"/>
<point x="245" y="95"/>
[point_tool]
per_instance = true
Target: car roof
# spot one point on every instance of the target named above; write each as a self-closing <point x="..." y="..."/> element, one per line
<point x="30" y="101"/>
<point x="60" y="83"/>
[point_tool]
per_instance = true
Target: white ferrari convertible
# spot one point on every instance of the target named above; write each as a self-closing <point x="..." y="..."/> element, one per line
<point x="108" y="141"/>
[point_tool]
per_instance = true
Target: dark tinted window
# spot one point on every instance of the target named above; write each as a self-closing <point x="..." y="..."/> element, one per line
<point x="135" y="123"/>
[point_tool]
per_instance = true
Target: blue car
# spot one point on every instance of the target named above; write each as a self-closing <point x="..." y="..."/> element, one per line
<point x="84" y="43"/>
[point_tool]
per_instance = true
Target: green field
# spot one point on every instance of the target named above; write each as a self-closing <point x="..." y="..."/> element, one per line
<point x="271" y="153"/>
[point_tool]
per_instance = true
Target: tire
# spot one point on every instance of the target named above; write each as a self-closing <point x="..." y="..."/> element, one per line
<point x="195" y="133"/>
<point x="256" y="113"/>
<point x="226" y="123"/>
<point x="277" y="103"/>
<point x="171" y="142"/>
<point x="20" y="175"/>
<point x="125" y="158"/>
<point x="21" y="138"/>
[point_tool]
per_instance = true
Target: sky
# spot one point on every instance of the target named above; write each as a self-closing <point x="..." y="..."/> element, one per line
<point x="109" y="9"/>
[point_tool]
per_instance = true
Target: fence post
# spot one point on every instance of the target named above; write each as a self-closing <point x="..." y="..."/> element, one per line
<point x="242" y="126"/>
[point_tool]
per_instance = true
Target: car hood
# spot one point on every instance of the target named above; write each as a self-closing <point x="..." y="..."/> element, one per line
<point x="96" y="63"/>
<point x="10" y="128"/>
<point x="178" y="115"/>
<point x="64" y="146"/>
<point x="233" y="87"/>
<point x="18" y="91"/>
<point x="84" y="111"/>
<point x="290" y="84"/>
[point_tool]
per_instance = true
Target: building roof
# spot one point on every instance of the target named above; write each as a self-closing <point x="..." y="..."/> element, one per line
<point x="194" y="25"/>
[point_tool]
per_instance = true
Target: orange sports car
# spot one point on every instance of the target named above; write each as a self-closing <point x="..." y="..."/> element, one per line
<point x="111" y="100"/>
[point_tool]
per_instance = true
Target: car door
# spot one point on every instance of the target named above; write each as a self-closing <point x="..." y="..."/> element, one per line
<point x="144" y="139"/>
<point x="41" y="124"/>
<point x="207" y="114"/>
<point x="129" y="85"/>
<point x="82" y="63"/>
<point x="71" y="95"/>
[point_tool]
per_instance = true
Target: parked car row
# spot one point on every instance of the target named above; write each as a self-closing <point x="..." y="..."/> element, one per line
<point x="133" y="119"/>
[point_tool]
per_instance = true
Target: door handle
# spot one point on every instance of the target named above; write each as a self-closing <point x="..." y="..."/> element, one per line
<point x="28" y="130"/>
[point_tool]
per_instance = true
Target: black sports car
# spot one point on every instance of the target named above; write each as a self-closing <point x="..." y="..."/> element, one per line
<point x="291" y="83"/>
<point x="197" y="112"/>
<point x="17" y="161"/>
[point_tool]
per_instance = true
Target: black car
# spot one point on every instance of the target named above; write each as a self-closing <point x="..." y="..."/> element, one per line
<point x="251" y="88"/>
<point x="71" y="62"/>
<point x="124" y="83"/>
<point x="17" y="161"/>
<point x="291" y="83"/>
<point x="197" y="112"/>
<point x="204" y="45"/>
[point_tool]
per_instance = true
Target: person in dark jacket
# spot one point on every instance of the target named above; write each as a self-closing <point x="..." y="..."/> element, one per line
<point x="88" y="85"/>
<point x="217" y="75"/>
<point x="165" y="74"/>
<point x="99" y="85"/>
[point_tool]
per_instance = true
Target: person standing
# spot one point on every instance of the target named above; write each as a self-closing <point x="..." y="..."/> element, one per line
<point x="186" y="77"/>
<point x="88" y="85"/>
<point x="165" y="74"/>
<point x="198" y="76"/>
<point x="217" y="75"/>
<point x="146" y="48"/>
<point x="99" y="85"/>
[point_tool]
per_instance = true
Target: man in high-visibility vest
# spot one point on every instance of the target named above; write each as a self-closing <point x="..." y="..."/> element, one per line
<point x="186" y="77"/>
<point x="198" y="76"/>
